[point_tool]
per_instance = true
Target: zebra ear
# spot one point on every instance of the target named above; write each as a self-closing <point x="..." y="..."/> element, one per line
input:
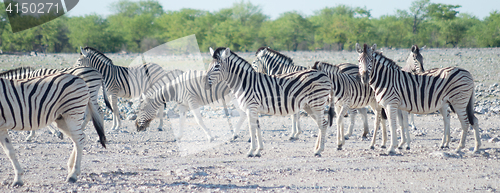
<point x="414" y="49"/>
<point x="211" y="51"/>
<point x="374" y="47"/>
<point x="358" y="49"/>
<point x="226" y="53"/>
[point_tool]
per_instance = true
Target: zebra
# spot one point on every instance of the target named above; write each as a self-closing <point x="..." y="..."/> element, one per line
<point x="92" y="78"/>
<point x="189" y="92"/>
<point x="125" y="82"/>
<point x="414" y="64"/>
<point x="271" y="62"/>
<point x="34" y="103"/>
<point x="275" y="95"/>
<point x="426" y="92"/>
<point x="349" y="92"/>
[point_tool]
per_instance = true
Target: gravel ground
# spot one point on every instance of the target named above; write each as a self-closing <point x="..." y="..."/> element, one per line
<point x="150" y="161"/>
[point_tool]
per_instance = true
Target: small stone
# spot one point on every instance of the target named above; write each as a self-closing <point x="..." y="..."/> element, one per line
<point x="494" y="140"/>
<point x="132" y="117"/>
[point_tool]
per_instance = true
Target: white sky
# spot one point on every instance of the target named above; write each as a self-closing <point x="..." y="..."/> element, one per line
<point x="479" y="8"/>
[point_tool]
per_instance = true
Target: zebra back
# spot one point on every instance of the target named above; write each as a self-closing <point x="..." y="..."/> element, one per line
<point x="272" y="62"/>
<point x="127" y="82"/>
<point x="17" y="73"/>
<point x="34" y="103"/>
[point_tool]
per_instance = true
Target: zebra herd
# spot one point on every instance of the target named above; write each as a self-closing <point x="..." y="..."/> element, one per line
<point x="272" y="84"/>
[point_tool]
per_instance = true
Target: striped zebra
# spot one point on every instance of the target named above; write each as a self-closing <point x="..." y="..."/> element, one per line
<point x="421" y="93"/>
<point x="275" y="95"/>
<point x="125" y="82"/>
<point x="188" y="90"/>
<point x="414" y="64"/>
<point x="271" y="62"/>
<point x="92" y="78"/>
<point x="35" y="103"/>
<point x="349" y="92"/>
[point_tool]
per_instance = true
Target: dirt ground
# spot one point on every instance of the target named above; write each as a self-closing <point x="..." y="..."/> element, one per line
<point x="151" y="162"/>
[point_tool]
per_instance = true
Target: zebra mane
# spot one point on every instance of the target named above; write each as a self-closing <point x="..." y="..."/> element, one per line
<point x="388" y="62"/>
<point x="290" y="60"/>
<point x="20" y="69"/>
<point x="95" y="51"/>
<point x="245" y="64"/>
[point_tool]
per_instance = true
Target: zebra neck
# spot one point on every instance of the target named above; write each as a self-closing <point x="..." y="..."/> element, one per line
<point x="385" y="67"/>
<point x="240" y="73"/>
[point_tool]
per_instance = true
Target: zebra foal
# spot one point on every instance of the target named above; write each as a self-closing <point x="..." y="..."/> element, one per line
<point x="275" y="95"/>
<point x="188" y="90"/>
<point x="421" y="93"/>
<point x="34" y="103"/>
<point x="125" y="82"/>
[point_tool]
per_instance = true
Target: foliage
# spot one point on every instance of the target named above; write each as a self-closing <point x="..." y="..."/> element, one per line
<point x="137" y="26"/>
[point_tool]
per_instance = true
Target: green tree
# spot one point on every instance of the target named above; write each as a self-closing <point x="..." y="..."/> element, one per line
<point x="291" y="31"/>
<point x="488" y="32"/>
<point x="93" y="30"/>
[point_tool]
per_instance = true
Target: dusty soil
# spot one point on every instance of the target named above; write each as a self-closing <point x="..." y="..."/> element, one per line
<point x="150" y="161"/>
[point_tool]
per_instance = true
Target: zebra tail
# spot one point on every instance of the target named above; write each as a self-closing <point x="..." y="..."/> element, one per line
<point x="470" y="110"/>
<point x="384" y="116"/>
<point x="331" y="114"/>
<point x="105" y="96"/>
<point x="98" y="123"/>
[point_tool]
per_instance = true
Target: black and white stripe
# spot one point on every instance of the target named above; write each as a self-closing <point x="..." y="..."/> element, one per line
<point x="349" y="92"/>
<point x="275" y="95"/>
<point x="420" y="93"/>
<point x="125" y="82"/>
<point x="92" y="78"/>
<point x="35" y="103"/>
<point x="188" y="90"/>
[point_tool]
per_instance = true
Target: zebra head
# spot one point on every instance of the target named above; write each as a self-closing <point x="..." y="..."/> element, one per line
<point x="215" y="69"/>
<point x="83" y="60"/>
<point x="146" y="113"/>
<point x="365" y="61"/>
<point x="258" y="63"/>
<point x="415" y="61"/>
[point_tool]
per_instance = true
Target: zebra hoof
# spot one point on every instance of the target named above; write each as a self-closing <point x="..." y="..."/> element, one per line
<point x="71" y="180"/>
<point x="346" y="137"/>
<point x="371" y="147"/>
<point x="407" y="148"/>
<point x="249" y="155"/>
<point x="249" y="140"/>
<point x="17" y="184"/>
<point x="292" y="139"/>
<point x="383" y="147"/>
<point x="257" y="155"/>
<point x="317" y="154"/>
<point x="400" y="147"/>
<point x="160" y="129"/>
<point x="339" y="147"/>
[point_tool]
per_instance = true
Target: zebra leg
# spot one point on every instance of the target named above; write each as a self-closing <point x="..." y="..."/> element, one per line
<point x="319" y="117"/>
<point x="252" y="124"/>
<point x="160" y="115"/>
<point x="197" y="116"/>
<point x="352" y="115"/>
<point x="446" y="119"/>
<point x="465" y="126"/>
<point x="412" y="122"/>
<point x="226" y="114"/>
<point x="30" y="136"/>
<point x="9" y="150"/>
<point x="340" y="126"/>
<point x="243" y="116"/>
<point x="364" y="115"/>
<point x="182" y="120"/>
<point x="377" y="124"/>
<point x="392" y="116"/>
<point x="298" y="130"/>
<point x="56" y="132"/>
<point x="294" y="128"/>
<point x="258" y="134"/>
<point x="71" y="126"/>
<point x="116" y="113"/>
<point x="405" y="133"/>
